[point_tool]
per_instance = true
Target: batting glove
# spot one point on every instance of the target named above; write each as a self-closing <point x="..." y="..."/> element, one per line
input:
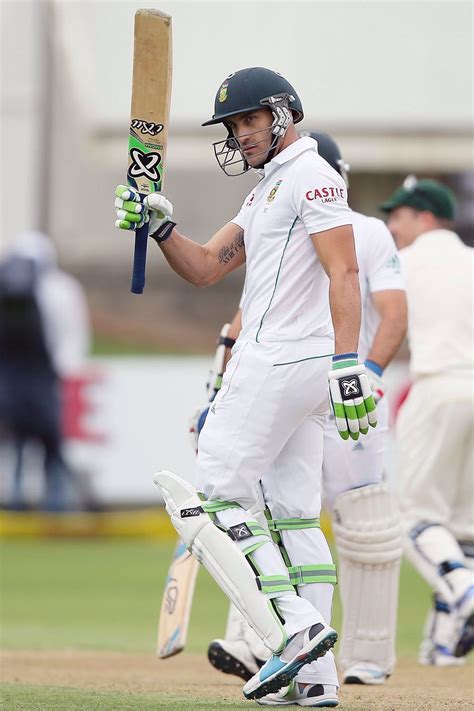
<point x="374" y="376"/>
<point x="133" y="213"/>
<point x="351" y="396"/>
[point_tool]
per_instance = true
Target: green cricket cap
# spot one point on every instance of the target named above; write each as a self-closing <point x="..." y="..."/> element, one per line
<point x="423" y="195"/>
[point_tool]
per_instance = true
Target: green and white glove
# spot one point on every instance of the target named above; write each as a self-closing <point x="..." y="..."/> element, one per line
<point x="351" y="396"/>
<point x="132" y="213"/>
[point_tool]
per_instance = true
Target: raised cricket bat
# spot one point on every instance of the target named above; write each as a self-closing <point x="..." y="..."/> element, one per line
<point x="151" y="94"/>
<point x="176" y="603"/>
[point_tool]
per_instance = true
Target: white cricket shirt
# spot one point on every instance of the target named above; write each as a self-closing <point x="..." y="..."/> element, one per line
<point x="438" y="270"/>
<point x="379" y="270"/>
<point x="286" y="288"/>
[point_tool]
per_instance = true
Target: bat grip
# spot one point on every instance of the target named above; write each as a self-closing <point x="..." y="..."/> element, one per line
<point x="139" y="260"/>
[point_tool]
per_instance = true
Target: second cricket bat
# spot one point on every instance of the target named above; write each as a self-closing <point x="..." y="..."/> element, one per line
<point x="151" y="94"/>
<point x="176" y="604"/>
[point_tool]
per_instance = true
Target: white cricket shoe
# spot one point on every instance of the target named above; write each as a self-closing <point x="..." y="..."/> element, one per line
<point x="298" y="694"/>
<point x="234" y="657"/>
<point x="364" y="673"/>
<point x="302" y="648"/>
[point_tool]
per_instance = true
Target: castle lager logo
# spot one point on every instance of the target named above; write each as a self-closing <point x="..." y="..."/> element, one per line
<point x="331" y="194"/>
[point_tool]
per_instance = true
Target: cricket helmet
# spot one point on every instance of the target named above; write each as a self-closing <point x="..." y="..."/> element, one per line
<point x="250" y="89"/>
<point x="245" y="91"/>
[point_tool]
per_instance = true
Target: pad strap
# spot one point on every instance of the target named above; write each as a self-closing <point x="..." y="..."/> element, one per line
<point x="274" y="585"/>
<point x="289" y="524"/>
<point x="319" y="573"/>
<point x="214" y="506"/>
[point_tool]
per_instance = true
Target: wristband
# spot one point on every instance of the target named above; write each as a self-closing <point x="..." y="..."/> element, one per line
<point x="163" y="232"/>
<point x="226" y="341"/>
<point x="344" y="360"/>
<point x="374" y="367"/>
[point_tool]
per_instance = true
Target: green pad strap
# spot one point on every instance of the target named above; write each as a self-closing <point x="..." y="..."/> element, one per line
<point x="215" y="506"/>
<point x="274" y="584"/>
<point x="291" y="524"/>
<point x="321" y="573"/>
<point x="257" y="529"/>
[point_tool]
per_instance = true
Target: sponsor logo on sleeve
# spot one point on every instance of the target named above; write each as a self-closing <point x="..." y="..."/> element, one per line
<point x="326" y="194"/>
<point x="394" y="264"/>
<point x="250" y="200"/>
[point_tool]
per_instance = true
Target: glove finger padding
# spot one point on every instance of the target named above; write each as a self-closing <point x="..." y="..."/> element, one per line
<point x="125" y="192"/>
<point x="130" y="206"/>
<point x="131" y="212"/>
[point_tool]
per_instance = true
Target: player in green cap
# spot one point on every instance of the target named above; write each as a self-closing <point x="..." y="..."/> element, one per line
<point x="435" y="429"/>
<point x="419" y="206"/>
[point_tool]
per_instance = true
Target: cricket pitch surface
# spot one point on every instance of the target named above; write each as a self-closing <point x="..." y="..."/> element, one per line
<point x="412" y="687"/>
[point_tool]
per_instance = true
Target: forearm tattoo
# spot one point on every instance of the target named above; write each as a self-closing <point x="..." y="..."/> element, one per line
<point x="228" y="252"/>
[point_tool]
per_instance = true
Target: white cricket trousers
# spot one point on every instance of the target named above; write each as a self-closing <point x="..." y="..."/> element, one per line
<point x="435" y="452"/>
<point x="269" y="416"/>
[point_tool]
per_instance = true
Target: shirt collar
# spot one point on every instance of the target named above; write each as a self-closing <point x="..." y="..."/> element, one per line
<point x="294" y="149"/>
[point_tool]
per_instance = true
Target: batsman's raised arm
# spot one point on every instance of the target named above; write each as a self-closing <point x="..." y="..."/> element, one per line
<point x="204" y="265"/>
<point x="201" y="265"/>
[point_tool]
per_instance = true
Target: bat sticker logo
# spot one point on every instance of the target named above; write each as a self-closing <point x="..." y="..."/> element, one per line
<point x="171" y="598"/>
<point x="153" y="129"/>
<point x="144" y="164"/>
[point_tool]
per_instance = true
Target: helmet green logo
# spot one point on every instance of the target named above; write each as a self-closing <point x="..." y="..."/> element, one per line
<point x="223" y="93"/>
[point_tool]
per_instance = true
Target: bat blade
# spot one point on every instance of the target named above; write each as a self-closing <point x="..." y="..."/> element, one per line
<point x="176" y="603"/>
<point x="151" y="95"/>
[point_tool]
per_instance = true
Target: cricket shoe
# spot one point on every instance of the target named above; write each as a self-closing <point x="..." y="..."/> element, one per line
<point x="297" y="694"/>
<point x="364" y="673"/>
<point x="435" y="655"/>
<point x="234" y="657"/>
<point x="302" y="648"/>
<point x="464" y="609"/>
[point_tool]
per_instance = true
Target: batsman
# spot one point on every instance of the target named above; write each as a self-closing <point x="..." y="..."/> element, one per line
<point x="300" y="325"/>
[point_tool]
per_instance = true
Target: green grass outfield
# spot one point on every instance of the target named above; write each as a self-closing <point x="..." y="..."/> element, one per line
<point x="97" y="595"/>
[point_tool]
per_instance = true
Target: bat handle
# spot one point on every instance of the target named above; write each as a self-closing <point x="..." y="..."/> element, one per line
<point x="139" y="260"/>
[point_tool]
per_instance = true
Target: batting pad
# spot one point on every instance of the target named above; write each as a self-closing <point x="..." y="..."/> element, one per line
<point x="220" y="556"/>
<point x="367" y="530"/>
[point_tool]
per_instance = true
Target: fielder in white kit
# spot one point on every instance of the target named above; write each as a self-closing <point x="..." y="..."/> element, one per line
<point x="294" y="233"/>
<point x="436" y="447"/>
<point x="366" y="518"/>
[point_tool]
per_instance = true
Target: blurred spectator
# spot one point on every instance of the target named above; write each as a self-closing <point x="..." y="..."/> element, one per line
<point x="44" y="337"/>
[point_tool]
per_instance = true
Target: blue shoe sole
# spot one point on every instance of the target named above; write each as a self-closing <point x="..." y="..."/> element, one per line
<point x="286" y="674"/>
